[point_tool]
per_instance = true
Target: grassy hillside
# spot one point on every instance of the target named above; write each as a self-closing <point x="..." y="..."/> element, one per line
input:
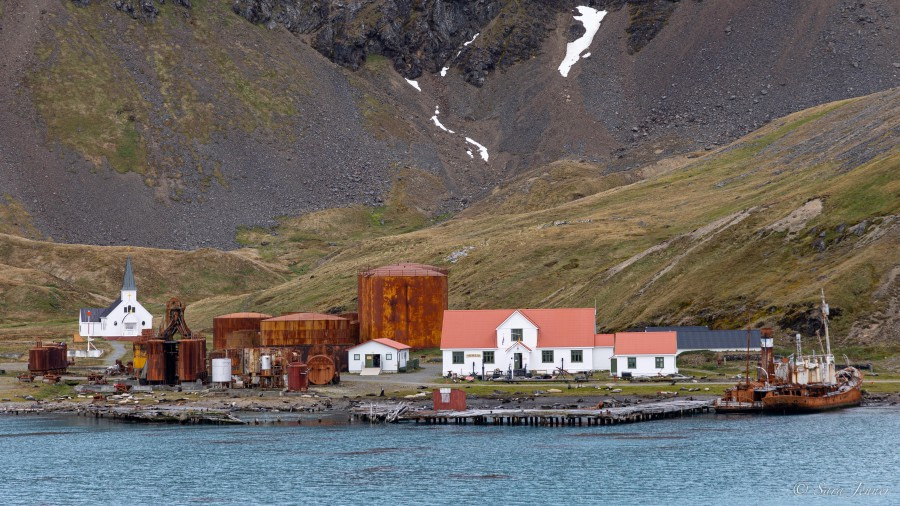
<point x="747" y="233"/>
<point x="716" y="239"/>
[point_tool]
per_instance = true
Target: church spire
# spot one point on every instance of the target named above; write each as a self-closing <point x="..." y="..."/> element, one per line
<point x="128" y="281"/>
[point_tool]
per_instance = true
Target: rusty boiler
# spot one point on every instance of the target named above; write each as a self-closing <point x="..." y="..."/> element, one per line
<point x="321" y="370"/>
<point x="237" y="330"/>
<point x="403" y="302"/>
<point x="192" y="360"/>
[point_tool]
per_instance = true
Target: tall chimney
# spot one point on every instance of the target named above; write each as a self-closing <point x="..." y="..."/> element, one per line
<point x="766" y="356"/>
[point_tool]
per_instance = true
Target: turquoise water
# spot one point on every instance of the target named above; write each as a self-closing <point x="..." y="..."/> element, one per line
<point x="708" y="459"/>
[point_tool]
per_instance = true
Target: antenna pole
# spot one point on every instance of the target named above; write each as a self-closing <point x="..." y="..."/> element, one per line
<point x="825" y="311"/>
<point x="747" y="372"/>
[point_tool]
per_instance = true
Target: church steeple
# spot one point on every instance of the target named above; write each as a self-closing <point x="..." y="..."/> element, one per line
<point x="128" y="281"/>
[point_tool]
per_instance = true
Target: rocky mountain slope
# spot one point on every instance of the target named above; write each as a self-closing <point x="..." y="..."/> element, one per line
<point x="747" y="232"/>
<point x="173" y="124"/>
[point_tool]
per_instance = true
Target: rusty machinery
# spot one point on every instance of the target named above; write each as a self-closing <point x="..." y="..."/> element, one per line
<point x="167" y="361"/>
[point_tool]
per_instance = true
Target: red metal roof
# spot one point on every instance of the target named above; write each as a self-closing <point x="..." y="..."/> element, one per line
<point x="406" y="269"/>
<point x="605" y="340"/>
<point x="245" y="315"/>
<point x="391" y="343"/>
<point x="304" y="316"/>
<point x="646" y="343"/>
<point x="557" y="328"/>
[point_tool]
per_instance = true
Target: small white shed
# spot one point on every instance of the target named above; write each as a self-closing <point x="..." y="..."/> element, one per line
<point x="377" y="356"/>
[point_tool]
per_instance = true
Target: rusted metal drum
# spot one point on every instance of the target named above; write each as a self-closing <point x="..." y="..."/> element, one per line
<point x="237" y="330"/>
<point x="321" y="370"/>
<point x="403" y="302"/>
<point x="298" y="377"/>
<point x="299" y="329"/>
<point x="192" y="359"/>
<point x="156" y="361"/>
<point x="38" y="360"/>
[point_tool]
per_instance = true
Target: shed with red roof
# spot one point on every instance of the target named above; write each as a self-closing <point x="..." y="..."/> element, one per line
<point x="644" y="354"/>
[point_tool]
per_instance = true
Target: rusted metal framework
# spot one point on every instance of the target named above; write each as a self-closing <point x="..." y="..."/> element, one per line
<point x="403" y="302"/>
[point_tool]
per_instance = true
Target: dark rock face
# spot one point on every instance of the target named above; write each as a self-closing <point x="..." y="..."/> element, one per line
<point x="145" y="10"/>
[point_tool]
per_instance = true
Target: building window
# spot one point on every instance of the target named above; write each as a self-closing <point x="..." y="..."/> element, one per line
<point x="660" y="362"/>
<point x="632" y="362"/>
<point x="547" y="356"/>
<point x="129" y="326"/>
<point x="488" y="357"/>
<point x="356" y="356"/>
<point x="577" y="356"/>
<point x="143" y="324"/>
<point x="388" y="357"/>
<point x="516" y="335"/>
<point x="115" y="324"/>
<point x="458" y="357"/>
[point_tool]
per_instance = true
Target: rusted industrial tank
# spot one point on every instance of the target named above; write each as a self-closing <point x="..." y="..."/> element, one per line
<point x="237" y="330"/>
<point x="321" y="370"/>
<point x="403" y="302"/>
<point x="38" y="360"/>
<point x="156" y="360"/>
<point x="298" y="377"/>
<point x="299" y="329"/>
<point x="192" y="359"/>
<point x="48" y="358"/>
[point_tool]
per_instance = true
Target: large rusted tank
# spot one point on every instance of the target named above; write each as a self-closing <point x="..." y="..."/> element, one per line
<point x="236" y="330"/>
<point x="38" y="360"/>
<point x="162" y="360"/>
<point x="48" y="358"/>
<point x="403" y="302"/>
<point x="298" y="329"/>
<point x="192" y="359"/>
<point x="321" y="370"/>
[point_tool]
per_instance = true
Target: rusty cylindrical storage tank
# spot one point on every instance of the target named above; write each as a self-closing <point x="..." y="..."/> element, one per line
<point x="299" y="329"/>
<point x="321" y="370"/>
<point x="156" y="361"/>
<point x="192" y="359"/>
<point x="403" y="302"/>
<point x="298" y="377"/>
<point x="38" y="359"/>
<point x="225" y="325"/>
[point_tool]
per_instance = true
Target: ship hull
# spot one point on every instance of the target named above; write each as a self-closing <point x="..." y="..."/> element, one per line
<point x="791" y="404"/>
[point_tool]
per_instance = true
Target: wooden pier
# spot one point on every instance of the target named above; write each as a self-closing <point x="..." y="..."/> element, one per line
<point x="537" y="417"/>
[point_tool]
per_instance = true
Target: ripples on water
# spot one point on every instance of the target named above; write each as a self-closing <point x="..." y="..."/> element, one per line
<point x="705" y="459"/>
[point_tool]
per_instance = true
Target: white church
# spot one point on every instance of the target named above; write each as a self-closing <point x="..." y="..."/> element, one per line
<point x="124" y="318"/>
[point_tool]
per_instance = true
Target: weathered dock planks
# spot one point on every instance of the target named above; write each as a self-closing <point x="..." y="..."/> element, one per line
<point x="537" y="417"/>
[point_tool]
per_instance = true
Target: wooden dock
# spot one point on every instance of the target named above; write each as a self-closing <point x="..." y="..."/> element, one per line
<point x="537" y="417"/>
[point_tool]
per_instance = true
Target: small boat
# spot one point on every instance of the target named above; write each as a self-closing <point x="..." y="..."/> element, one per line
<point x="798" y="384"/>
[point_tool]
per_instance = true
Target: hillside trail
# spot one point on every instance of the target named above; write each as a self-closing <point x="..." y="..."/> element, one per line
<point x="20" y="31"/>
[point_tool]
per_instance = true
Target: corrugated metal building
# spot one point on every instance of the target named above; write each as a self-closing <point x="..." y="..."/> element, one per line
<point x="692" y="338"/>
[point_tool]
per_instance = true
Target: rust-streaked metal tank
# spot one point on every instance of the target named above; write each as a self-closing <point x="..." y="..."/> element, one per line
<point x="38" y="360"/>
<point x="156" y="360"/>
<point x="298" y="377"/>
<point x="299" y="329"/>
<point x="321" y="370"/>
<point x="404" y="302"/>
<point x="48" y="358"/>
<point x="236" y="330"/>
<point x="192" y="359"/>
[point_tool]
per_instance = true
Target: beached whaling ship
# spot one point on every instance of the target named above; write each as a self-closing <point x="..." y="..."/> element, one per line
<point x="797" y="384"/>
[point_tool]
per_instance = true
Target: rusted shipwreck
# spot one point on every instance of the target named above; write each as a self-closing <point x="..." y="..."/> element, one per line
<point x="796" y="384"/>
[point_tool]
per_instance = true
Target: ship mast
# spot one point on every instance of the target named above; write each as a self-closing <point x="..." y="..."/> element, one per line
<point x="825" y="311"/>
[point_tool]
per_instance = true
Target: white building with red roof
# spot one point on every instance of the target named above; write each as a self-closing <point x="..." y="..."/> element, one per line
<point x="541" y="341"/>
<point x="644" y="354"/>
<point x="377" y="356"/>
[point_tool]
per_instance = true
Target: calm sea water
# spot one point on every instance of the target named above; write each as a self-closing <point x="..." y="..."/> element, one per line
<point x="708" y="459"/>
